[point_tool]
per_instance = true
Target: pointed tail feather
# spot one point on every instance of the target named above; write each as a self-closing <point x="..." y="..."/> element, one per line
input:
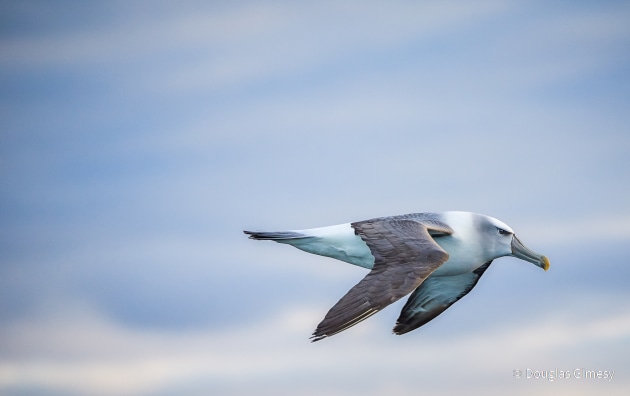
<point x="274" y="235"/>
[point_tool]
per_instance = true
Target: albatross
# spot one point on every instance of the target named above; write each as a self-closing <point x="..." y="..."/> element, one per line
<point x="436" y="257"/>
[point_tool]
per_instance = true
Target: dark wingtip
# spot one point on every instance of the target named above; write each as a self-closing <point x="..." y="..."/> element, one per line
<point x="405" y="324"/>
<point x="401" y="329"/>
<point x="319" y="334"/>
<point x="315" y="338"/>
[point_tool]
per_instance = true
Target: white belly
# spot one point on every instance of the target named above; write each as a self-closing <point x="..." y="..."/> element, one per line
<point x="339" y="242"/>
<point x="461" y="258"/>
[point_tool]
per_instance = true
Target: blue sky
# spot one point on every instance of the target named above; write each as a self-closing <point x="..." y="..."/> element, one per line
<point x="139" y="140"/>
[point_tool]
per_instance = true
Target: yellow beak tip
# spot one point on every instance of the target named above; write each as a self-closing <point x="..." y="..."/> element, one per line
<point x="545" y="263"/>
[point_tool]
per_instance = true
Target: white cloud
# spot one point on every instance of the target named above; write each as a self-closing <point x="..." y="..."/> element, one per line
<point x="298" y="37"/>
<point x="586" y="229"/>
<point x="81" y="353"/>
<point x="246" y="41"/>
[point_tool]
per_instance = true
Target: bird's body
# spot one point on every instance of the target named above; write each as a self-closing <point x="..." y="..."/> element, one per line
<point x="438" y="257"/>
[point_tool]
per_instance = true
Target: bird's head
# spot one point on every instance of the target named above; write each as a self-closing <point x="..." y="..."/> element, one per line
<point x="505" y="243"/>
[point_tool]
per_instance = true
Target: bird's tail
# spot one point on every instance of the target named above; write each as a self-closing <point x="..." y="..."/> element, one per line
<point x="275" y="235"/>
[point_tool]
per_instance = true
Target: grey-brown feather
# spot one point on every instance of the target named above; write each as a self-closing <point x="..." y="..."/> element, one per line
<point x="405" y="255"/>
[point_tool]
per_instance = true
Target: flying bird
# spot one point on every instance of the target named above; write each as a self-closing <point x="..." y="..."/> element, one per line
<point x="437" y="257"/>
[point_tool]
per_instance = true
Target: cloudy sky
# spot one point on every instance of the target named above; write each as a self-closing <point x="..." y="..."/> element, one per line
<point x="139" y="139"/>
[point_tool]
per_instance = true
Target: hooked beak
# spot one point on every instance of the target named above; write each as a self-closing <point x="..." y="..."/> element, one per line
<point x="524" y="253"/>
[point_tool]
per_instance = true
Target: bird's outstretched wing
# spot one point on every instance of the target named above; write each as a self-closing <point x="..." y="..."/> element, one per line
<point x="434" y="296"/>
<point x="405" y="254"/>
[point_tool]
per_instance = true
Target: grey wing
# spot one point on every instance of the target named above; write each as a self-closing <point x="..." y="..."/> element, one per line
<point x="434" y="296"/>
<point x="404" y="253"/>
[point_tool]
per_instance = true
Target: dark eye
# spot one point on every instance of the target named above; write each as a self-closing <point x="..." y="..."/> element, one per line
<point x="503" y="232"/>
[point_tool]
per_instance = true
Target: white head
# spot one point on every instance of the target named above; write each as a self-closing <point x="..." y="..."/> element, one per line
<point x="498" y="239"/>
<point x="503" y="241"/>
